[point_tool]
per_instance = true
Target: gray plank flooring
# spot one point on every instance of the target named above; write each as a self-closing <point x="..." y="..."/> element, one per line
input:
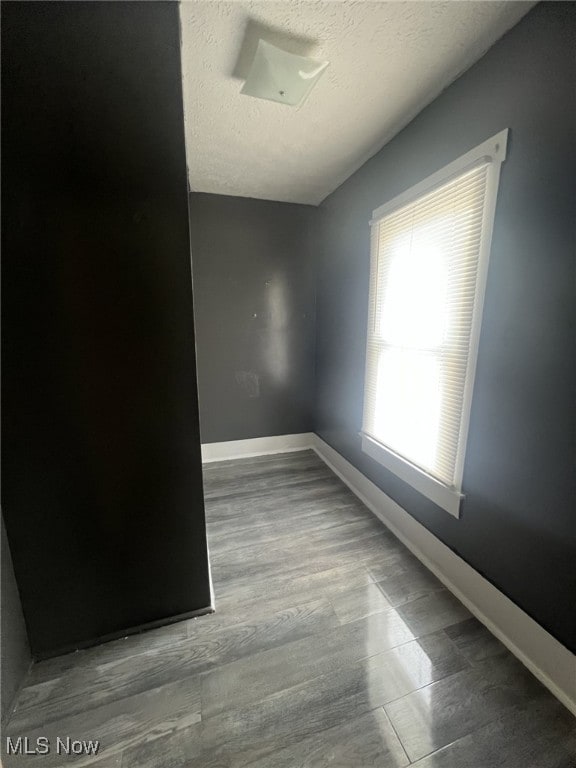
<point x="331" y="646"/>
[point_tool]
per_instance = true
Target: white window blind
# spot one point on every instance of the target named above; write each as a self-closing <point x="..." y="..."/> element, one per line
<point x="426" y="289"/>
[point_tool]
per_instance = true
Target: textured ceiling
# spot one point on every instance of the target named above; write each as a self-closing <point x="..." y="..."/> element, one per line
<point x="387" y="61"/>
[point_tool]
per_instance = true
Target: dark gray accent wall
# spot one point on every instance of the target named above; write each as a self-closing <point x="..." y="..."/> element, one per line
<point x="16" y="659"/>
<point x="102" y="484"/>
<point x="253" y="266"/>
<point x="518" y="527"/>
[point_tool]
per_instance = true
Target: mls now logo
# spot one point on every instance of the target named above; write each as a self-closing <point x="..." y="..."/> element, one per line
<point x="42" y="746"/>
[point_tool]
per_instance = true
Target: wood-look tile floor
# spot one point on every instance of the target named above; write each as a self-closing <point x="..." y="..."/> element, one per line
<point x="331" y="646"/>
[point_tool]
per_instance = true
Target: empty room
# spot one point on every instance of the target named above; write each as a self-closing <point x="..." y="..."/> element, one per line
<point x="288" y="384"/>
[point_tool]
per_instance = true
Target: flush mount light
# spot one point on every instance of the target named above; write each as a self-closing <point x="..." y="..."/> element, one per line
<point x="280" y="76"/>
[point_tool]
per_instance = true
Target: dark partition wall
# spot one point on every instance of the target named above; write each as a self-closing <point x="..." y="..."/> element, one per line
<point x="253" y="263"/>
<point x="102" y="487"/>
<point x="517" y="526"/>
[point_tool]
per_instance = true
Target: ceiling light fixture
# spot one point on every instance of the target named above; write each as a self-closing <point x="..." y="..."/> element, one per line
<point x="280" y="76"/>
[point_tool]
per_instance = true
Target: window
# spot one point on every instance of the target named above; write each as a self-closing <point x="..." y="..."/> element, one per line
<point x="430" y="249"/>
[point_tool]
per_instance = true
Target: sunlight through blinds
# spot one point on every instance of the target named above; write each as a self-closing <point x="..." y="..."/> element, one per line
<point x="425" y="258"/>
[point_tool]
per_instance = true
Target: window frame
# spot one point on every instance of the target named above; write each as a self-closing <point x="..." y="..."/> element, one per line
<point x="493" y="151"/>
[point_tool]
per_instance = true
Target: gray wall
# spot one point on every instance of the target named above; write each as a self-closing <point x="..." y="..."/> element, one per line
<point x="16" y="657"/>
<point x="254" y="287"/>
<point x="518" y="526"/>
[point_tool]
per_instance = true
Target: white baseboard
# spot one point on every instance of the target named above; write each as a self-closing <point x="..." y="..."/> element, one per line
<point x="257" y="446"/>
<point x="548" y="660"/>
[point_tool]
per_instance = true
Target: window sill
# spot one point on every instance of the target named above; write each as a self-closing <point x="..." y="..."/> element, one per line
<point x="448" y="499"/>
